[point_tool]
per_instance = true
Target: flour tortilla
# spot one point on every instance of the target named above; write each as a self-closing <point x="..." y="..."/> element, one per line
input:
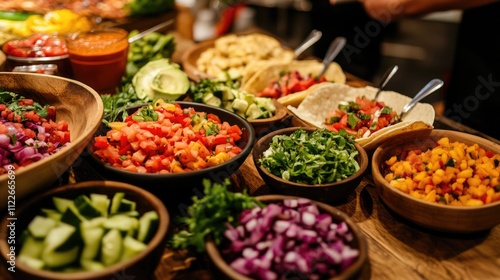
<point x="321" y="101"/>
<point x="258" y="76"/>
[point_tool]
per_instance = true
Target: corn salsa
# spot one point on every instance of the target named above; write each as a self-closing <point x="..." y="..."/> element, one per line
<point x="451" y="173"/>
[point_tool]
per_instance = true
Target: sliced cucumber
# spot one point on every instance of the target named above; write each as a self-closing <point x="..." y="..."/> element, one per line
<point x="95" y="222"/>
<point x="51" y="213"/>
<point x="31" y="248"/>
<point x="129" y="213"/>
<point x="101" y="202"/>
<point x="61" y="238"/>
<point x="111" y="247"/>
<point x="85" y="207"/>
<point x="148" y="225"/>
<point x="62" y="204"/>
<point x="125" y="224"/>
<point x="40" y="226"/>
<point x="72" y="216"/>
<point x="90" y="265"/>
<point x="31" y="262"/>
<point x="115" y="202"/>
<point x="57" y="259"/>
<point x="126" y="205"/>
<point x="131" y="248"/>
<point x="91" y="242"/>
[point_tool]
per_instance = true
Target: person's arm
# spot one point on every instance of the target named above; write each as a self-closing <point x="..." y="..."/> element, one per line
<point x="390" y="10"/>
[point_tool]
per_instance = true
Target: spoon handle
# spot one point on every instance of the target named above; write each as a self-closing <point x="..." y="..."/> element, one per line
<point x="429" y="88"/>
<point x="312" y="38"/>
<point x="385" y="79"/>
<point x="150" y="30"/>
<point x="335" y="47"/>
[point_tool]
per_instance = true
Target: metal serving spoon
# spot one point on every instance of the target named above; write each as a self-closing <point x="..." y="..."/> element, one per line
<point x="150" y="30"/>
<point x="312" y="38"/>
<point x="335" y="47"/>
<point x="385" y="79"/>
<point x="429" y="88"/>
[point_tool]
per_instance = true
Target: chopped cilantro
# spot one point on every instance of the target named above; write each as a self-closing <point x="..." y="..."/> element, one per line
<point x="450" y="163"/>
<point x="209" y="215"/>
<point x="318" y="157"/>
<point x="386" y="110"/>
<point x="353" y="120"/>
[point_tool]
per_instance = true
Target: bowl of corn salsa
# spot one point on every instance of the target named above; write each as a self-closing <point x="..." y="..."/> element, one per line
<point x="439" y="179"/>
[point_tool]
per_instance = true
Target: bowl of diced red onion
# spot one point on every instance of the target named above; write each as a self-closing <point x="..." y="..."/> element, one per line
<point x="290" y="237"/>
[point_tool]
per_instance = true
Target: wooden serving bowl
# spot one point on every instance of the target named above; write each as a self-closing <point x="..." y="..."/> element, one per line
<point x="439" y="217"/>
<point x="76" y="103"/>
<point x="139" y="267"/>
<point x="267" y="125"/>
<point x="359" y="242"/>
<point x="329" y="192"/>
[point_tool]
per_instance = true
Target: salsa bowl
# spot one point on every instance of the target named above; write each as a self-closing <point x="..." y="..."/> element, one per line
<point x="454" y="206"/>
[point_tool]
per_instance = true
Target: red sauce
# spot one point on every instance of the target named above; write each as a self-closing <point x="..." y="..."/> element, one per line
<point x="98" y="58"/>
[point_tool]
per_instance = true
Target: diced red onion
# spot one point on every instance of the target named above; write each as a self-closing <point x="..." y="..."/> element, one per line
<point x="291" y="236"/>
<point x="4" y="140"/>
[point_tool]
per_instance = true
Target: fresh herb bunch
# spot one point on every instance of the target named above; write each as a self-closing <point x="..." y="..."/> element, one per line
<point x="115" y="105"/>
<point x="209" y="215"/>
<point x="12" y="99"/>
<point x="319" y="157"/>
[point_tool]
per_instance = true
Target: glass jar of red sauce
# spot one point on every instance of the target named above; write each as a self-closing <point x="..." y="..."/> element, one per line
<point x="99" y="58"/>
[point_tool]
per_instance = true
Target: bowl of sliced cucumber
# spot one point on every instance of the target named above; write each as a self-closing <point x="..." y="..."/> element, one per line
<point x="88" y="230"/>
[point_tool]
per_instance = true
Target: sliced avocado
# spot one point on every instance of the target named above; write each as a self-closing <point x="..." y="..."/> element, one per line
<point x="160" y="79"/>
<point x="170" y="81"/>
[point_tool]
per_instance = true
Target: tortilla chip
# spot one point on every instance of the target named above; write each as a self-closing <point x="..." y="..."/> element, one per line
<point x="322" y="100"/>
<point x="271" y="72"/>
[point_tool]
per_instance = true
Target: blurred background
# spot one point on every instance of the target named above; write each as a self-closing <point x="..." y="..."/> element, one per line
<point x="423" y="48"/>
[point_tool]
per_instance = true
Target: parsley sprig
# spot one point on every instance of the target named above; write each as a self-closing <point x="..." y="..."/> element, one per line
<point x="208" y="215"/>
<point x="12" y="99"/>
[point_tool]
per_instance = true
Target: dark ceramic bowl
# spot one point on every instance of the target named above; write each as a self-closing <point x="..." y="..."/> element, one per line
<point x="359" y="242"/>
<point x="329" y="192"/>
<point x="141" y="266"/>
<point x="165" y="183"/>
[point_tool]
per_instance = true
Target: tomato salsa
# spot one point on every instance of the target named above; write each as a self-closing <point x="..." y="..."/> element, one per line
<point x="288" y="83"/>
<point x="361" y="117"/>
<point x="98" y="58"/>
<point x="165" y="138"/>
<point x="29" y="131"/>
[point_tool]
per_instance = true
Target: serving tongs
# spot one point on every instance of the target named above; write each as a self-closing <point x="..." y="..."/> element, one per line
<point x="335" y="47"/>
<point x="429" y="88"/>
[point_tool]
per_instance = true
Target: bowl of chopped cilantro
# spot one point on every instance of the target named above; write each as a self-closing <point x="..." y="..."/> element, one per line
<point x="310" y="162"/>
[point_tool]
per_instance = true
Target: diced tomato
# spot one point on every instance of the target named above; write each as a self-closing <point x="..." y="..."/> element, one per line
<point x="168" y="145"/>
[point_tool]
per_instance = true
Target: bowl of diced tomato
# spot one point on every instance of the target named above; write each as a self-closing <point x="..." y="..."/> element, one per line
<point x="45" y="123"/>
<point x="38" y="50"/>
<point x="163" y="145"/>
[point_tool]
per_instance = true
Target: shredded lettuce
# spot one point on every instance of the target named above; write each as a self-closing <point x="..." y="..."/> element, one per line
<point x="319" y="157"/>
